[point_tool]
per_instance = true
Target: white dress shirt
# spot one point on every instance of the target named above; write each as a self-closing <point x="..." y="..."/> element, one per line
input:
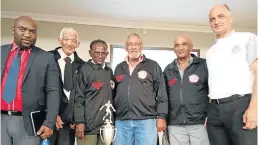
<point x="62" y="63"/>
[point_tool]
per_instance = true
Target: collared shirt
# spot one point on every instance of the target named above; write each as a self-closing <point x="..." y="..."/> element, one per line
<point x="16" y="104"/>
<point x="228" y="62"/>
<point x="188" y="63"/>
<point x="62" y="63"/>
<point x="132" y="67"/>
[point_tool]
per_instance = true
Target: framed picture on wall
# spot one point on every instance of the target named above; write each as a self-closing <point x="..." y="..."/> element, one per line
<point x="162" y="55"/>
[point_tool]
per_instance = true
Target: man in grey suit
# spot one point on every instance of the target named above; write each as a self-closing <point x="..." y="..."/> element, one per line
<point x="29" y="82"/>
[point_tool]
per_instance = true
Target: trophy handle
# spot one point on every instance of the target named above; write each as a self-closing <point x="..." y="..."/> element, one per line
<point x="101" y="134"/>
<point x="114" y="135"/>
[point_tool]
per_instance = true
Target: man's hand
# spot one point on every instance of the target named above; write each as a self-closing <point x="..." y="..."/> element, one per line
<point x="161" y="124"/>
<point x="72" y="126"/>
<point x="45" y="132"/>
<point x="59" y="122"/>
<point x="79" y="131"/>
<point x="250" y="118"/>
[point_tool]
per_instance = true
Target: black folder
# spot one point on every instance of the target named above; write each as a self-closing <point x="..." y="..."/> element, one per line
<point x="37" y="119"/>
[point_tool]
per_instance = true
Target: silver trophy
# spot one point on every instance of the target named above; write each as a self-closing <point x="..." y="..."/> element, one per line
<point x="108" y="131"/>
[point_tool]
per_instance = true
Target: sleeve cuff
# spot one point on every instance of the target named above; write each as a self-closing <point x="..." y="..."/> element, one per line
<point x="162" y="116"/>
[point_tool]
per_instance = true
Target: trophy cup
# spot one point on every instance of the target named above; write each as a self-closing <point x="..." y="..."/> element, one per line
<point x="108" y="131"/>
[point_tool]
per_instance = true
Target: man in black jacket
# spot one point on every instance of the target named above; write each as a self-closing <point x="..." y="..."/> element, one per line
<point x="69" y="63"/>
<point x="141" y="101"/>
<point x="187" y="86"/>
<point x="94" y="89"/>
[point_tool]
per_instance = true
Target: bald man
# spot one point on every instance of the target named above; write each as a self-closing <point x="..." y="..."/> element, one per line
<point x="29" y="82"/>
<point x="187" y="87"/>
<point x="232" y="66"/>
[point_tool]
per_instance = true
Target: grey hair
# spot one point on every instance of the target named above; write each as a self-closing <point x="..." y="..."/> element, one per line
<point x="134" y="34"/>
<point x="68" y="29"/>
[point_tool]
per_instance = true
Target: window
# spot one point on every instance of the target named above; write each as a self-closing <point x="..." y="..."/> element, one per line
<point x="163" y="56"/>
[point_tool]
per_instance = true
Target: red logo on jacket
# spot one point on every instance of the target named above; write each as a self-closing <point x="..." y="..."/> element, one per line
<point x="119" y="78"/>
<point x="97" y="84"/>
<point x="172" y="82"/>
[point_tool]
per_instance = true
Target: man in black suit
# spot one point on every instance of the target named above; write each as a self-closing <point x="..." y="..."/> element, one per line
<point x="29" y="82"/>
<point x="69" y="64"/>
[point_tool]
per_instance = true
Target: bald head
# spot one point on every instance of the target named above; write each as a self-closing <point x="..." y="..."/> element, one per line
<point x="25" y="18"/>
<point x="25" y="32"/>
<point x="184" y="37"/>
<point x="222" y="8"/>
<point x="220" y="20"/>
<point x="183" y="46"/>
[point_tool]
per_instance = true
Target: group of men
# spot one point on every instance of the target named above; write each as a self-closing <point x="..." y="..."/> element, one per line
<point x="145" y="99"/>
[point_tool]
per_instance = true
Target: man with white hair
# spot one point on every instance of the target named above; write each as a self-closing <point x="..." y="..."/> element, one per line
<point x="232" y="67"/>
<point x="69" y="64"/>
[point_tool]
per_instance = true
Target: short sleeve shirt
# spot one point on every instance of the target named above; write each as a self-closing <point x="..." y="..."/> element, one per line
<point x="228" y="62"/>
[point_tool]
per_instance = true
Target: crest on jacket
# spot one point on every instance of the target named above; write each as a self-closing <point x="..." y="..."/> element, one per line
<point x="193" y="78"/>
<point x="142" y="74"/>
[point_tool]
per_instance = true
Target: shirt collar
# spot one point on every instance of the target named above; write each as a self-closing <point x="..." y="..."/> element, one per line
<point x="188" y="62"/>
<point x="229" y="34"/>
<point x="63" y="55"/>
<point x="139" y="60"/>
<point x="103" y="66"/>
<point x="15" y="46"/>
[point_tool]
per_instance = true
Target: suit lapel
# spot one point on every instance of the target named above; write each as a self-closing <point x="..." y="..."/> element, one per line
<point x="60" y="73"/>
<point x="33" y="55"/>
<point x="5" y="50"/>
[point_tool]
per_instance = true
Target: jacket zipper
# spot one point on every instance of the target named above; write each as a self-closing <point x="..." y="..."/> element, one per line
<point x="181" y="95"/>
<point x="128" y="95"/>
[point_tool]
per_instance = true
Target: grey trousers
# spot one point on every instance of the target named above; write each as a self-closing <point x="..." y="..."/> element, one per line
<point x="14" y="133"/>
<point x="188" y="135"/>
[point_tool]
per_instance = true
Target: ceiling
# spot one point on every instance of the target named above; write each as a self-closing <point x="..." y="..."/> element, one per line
<point x="192" y="14"/>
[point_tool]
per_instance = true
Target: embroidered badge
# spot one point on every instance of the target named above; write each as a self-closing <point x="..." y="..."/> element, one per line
<point x="112" y="84"/>
<point x="142" y="74"/>
<point x="193" y="78"/>
<point x="172" y="82"/>
<point x="236" y="49"/>
<point x="97" y="84"/>
<point x="119" y="78"/>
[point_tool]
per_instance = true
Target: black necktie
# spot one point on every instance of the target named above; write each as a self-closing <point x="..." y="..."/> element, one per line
<point x="68" y="76"/>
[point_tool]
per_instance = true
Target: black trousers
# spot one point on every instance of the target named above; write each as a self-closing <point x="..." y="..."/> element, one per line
<point x="63" y="136"/>
<point x="225" y="123"/>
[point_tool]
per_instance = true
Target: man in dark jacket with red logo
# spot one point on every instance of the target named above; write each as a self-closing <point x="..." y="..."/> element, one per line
<point x="141" y="100"/>
<point x="187" y="86"/>
<point x="94" y="90"/>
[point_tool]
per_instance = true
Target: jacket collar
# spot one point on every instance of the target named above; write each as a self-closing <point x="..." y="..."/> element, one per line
<point x="195" y="60"/>
<point x="96" y="66"/>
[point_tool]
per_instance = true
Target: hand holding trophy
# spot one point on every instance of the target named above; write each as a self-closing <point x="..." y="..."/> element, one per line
<point x="109" y="131"/>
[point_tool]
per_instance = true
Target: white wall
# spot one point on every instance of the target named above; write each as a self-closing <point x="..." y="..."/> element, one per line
<point x="48" y="33"/>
